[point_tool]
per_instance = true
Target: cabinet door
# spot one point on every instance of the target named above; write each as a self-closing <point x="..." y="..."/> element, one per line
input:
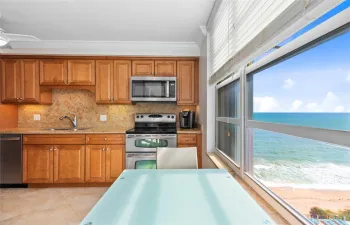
<point x="37" y="164"/>
<point x="69" y="163"/>
<point x="53" y="72"/>
<point x="114" y="161"/>
<point x="95" y="166"/>
<point x="104" y="81"/>
<point x="142" y="67"/>
<point x="10" y="81"/>
<point x="81" y="72"/>
<point x="185" y="82"/>
<point x="121" y="81"/>
<point x="30" y="92"/>
<point x="165" y="68"/>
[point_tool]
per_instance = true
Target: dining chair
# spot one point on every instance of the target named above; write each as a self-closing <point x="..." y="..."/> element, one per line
<point x="177" y="158"/>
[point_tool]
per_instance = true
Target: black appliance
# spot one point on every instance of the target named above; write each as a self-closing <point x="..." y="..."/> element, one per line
<point x="187" y="119"/>
<point x="11" y="160"/>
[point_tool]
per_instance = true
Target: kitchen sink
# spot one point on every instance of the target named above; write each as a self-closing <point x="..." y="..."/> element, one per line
<point x="72" y="129"/>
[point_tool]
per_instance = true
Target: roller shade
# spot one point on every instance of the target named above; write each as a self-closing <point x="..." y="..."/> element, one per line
<point x="254" y="27"/>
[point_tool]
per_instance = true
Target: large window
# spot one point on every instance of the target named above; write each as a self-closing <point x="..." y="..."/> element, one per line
<point x="297" y="127"/>
<point x="292" y="131"/>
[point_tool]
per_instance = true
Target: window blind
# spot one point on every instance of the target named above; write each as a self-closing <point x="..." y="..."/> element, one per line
<point x="252" y="28"/>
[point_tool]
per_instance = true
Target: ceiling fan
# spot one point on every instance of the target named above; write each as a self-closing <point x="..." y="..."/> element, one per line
<point x="7" y="38"/>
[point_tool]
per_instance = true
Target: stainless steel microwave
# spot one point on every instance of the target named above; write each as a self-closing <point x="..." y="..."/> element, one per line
<point x="152" y="89"/>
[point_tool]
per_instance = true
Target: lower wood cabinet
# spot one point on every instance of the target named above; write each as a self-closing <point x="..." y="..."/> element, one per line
<point x="53" y="163"/>
<point x="104" y="163"/>
<point x="37" y="164"/>
<point x="191" y="140"/>
<point x="69" y="163"/>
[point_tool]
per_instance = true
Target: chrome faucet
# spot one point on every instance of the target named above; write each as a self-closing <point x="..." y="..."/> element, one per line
<point x="74" y="121"/>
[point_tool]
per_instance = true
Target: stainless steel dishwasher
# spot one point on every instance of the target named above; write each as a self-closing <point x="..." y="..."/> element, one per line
<point x="11" y="160"/>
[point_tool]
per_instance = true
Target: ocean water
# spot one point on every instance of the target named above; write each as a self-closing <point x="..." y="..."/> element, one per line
<point x="283" y="160"/>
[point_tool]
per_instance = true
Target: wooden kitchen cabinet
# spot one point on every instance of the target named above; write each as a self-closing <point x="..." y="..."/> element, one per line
<point x="69" y="163"/>
<point x="114" y="161"/>
<point x="95" y="166"/>
<point x="53" y="72"/>
<point x="113" y="81"/>
<point x="104" y="163"/>
<point x="10" y="80"/>
<point x="142" y="67"/>
<point x="37" y="164"/>
<point x="187" y="83"/>
<point x="20" y="82"/>
<point x="81" y="72"/>
<point x="165" y="68"/>
<point x="191" y="140"/>
<point x="104" y="81"/>
<point x="121" y="81"/>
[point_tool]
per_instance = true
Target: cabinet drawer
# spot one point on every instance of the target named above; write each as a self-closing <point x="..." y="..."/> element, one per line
<point x="186" y="139"/>
<point x="49" y="139"/>
<point x="100" y="139"/>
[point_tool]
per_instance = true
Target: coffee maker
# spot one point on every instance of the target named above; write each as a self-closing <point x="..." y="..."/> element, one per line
<point x="187" y="119"/>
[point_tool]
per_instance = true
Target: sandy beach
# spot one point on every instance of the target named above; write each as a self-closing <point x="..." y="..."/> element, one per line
<point x="304" y="199"/>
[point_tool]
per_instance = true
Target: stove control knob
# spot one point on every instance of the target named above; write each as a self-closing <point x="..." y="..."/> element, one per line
<point x="168" y="116"/>
<point x="141" y="116"/>
<point x="137" y="117"/>
<point x="172" y="117"/>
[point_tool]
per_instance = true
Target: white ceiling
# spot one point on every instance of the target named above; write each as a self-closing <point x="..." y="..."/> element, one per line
<point x="107" y="20"/>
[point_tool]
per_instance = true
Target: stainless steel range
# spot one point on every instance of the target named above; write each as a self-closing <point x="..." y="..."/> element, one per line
<point x="151" y="131"/>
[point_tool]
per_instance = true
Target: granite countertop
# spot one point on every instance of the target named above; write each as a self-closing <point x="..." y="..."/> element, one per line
<point x="189" y="131"/>
<point x="108" y="130"/>
<point x="46" y="131"/>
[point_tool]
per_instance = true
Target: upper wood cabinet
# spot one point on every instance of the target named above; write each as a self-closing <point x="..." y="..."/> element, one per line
<point x="154" y="68"/>
<point x="67" y="72"/>
<point x="81" y="72"/>
<point x="142" y="67"/>
<point x="20" y="82"/>
<point x="53" y="72"/>
<point x="165" y="68"/>
<point x="69" y="163"/>
<point x="10" y="80"/>
<point x="187" y="84"/>
<point x="121" y="81"/>
<point x="113" y="81"/>
<point x="104" y="81"/>
<point x="29" y="90"/>
<point x="37" y="164"/>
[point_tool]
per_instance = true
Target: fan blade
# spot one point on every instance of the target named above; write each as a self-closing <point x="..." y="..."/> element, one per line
<point x="20" y="37"/>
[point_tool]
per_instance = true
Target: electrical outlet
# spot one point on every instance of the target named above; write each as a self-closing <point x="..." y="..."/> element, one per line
<point x="36" y="116"/>
<point x="103" y="117"/>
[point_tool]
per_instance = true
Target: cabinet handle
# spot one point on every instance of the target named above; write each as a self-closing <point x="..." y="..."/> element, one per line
<point x="103" y="149"/>
<point x="105" y="139"/>
<point x="54" y="149"/>
<point x="20" y="98"/>
<point x="186" y="139"/>
<point x="107" y="149"/>
<point x="51" y="149"/>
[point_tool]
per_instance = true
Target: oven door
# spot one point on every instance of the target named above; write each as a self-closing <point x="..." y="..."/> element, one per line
<point x="149" y="142"/>
<point x="153" y="89"/>
<point x="141" y="161"/>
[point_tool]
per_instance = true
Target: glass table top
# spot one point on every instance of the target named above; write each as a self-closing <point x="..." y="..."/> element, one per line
<point x="176" y="197"/>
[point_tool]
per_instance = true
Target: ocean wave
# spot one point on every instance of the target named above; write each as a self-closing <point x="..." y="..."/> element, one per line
<point x="303" y="175"/>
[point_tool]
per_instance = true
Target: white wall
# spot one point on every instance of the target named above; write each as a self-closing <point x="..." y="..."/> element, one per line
<point x="206" y="106"/>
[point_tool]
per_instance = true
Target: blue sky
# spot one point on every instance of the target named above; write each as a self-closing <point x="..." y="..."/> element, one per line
<point x="317" y="80"/>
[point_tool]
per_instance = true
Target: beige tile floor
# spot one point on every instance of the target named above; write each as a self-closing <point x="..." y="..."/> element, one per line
<point x="68" y="206"/>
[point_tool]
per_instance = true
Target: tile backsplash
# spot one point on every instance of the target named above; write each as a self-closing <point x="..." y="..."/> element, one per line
<point x="82" y="103"/>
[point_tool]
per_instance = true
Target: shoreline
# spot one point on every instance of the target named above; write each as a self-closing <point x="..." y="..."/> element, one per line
<point x="303" y="199"/>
